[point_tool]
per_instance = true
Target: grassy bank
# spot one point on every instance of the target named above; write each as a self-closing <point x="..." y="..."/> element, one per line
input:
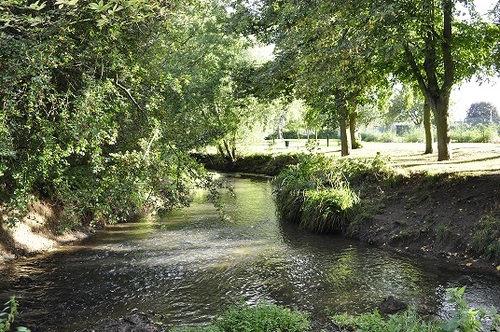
<point x="452" y="215"/>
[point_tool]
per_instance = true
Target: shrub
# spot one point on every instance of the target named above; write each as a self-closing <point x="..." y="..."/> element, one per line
<point x="328" y="210"/>
<point x="261" y="318"/>
<point x="369" y="137"/>
<point x="414" y="135"/>
<point x="475" y="133"/>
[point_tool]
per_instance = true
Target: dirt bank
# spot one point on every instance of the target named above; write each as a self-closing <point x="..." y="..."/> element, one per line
<point x="449" y="216"/>
<point x="37" y="232"/>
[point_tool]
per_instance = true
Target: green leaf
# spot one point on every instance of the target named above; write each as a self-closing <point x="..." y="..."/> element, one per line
<point x="94" y="6"/>
<point x="37" y="5"/>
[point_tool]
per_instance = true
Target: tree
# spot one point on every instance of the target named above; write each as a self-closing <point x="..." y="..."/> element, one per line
<point x="96" y="126"/>
<point x="442" y="50"/>
<point x="325" y="54"/>
<point x="482" y="112"/>
<point x="422" y="42"/>
<point x="406" y="106"/>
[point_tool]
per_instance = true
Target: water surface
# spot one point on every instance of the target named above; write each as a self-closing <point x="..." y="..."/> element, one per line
<point x="189" y="266"/>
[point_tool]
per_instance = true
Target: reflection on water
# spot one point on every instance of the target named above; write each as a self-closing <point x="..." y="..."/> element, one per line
<point x="189" y="266"/>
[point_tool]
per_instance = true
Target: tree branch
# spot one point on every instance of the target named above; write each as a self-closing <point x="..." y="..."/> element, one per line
<point x="129" y="94"/>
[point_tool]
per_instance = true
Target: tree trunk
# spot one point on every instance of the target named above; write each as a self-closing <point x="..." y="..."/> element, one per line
<point x="227" y="151"/>
<point x="442" y="127"/>
<point x="427" y="128"/>
<point x="352" y="130"/>
<point x="344" y="144"/>
<point x="437" y="93"/>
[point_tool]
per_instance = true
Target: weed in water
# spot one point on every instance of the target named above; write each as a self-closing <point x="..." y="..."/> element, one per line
<point x="463" y="319"/>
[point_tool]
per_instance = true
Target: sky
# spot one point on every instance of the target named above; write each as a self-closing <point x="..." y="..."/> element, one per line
<point x="472" y="92"/>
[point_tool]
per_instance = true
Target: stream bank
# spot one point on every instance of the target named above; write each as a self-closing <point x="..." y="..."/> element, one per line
<point x="190" y="266"/>
<point x="438" y="216"/>
<point x="35" y="233"/>
<point x="452" y="216"/>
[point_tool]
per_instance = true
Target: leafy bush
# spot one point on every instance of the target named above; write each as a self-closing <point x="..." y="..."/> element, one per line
<point x="388" y="137"/>
<point x="475" y="133"/>
<point x="261" y="318"/>
<point x="414" y="135"/>
<point x="369" y="137"/>
<point x="383" y="137"/>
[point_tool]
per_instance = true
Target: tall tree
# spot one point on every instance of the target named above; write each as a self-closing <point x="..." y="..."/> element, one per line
<point x="441" y="50"/>
<point x="425" y="40"/>
<point x="332" y="67"/>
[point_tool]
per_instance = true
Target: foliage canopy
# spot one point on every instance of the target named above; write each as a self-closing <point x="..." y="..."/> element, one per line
<point x="103" y="101"/>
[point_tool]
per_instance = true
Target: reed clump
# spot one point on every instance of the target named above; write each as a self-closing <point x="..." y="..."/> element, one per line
<point x="321" y="193"/>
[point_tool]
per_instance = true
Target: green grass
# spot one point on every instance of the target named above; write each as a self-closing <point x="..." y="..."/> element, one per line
<point x="328" y="210"/>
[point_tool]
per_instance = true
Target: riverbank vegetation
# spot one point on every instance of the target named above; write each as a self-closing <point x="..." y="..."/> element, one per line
<point x="103" y="131"/>
<point x="8" y="315"/>
<point x="321" y="194"/>
<point x="269" y="318"/>
<point x="100" y="130"/>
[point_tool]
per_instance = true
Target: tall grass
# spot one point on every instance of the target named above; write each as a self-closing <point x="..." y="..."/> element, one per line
<point x="317" y="192"/>
<point x="328" y="210"/>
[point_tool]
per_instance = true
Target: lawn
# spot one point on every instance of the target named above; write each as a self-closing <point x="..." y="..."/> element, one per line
<point x="466" y="157"/>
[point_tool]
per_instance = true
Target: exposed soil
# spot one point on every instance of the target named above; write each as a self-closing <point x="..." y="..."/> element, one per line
<point x="439" y="208"/>
<point x="35" y="234"/>
<point x="437" y="217"/>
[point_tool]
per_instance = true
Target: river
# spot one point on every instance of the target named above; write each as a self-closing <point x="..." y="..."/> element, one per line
<point x="189" y="266"/>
